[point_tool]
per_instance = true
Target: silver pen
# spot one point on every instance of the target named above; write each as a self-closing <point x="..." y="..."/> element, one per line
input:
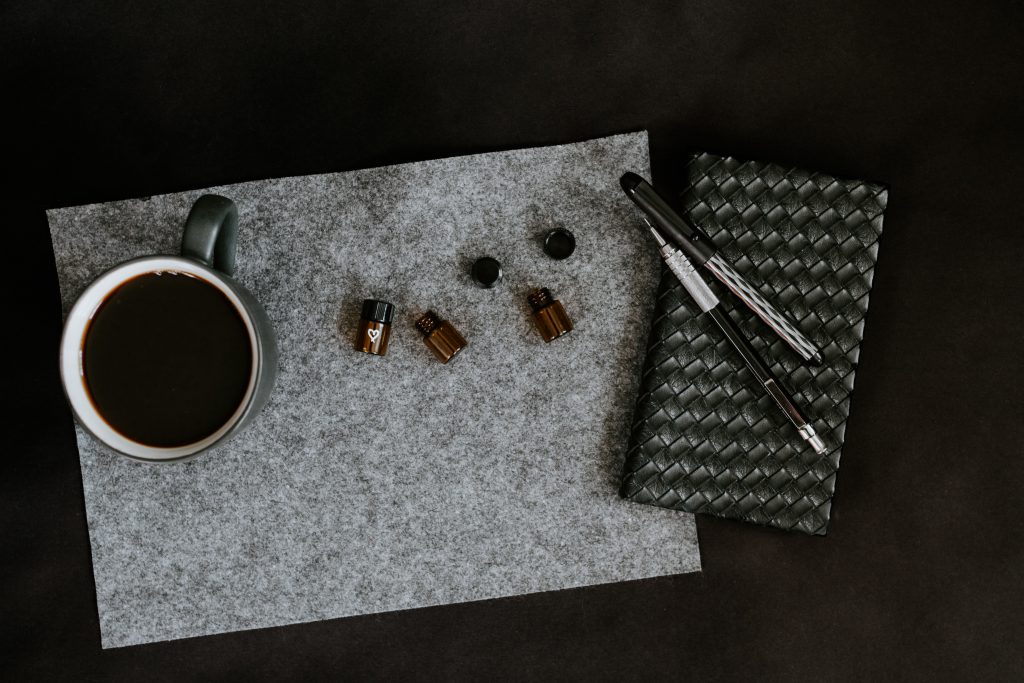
<point x="702" y="252"/>
<point x="708" y="303"/>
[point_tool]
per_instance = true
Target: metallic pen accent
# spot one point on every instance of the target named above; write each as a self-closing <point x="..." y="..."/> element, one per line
<point x="702" y="252"/>
<point x="687" y="274"/>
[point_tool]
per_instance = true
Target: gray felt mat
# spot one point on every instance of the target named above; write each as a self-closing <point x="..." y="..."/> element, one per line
<point x="371" y="484"/>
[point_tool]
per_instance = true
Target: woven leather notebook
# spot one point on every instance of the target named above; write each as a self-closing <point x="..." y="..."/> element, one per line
<point x="706" y="437"/>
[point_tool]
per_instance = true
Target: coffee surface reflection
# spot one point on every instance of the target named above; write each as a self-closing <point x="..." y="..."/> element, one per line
<point x="167" y="359"/>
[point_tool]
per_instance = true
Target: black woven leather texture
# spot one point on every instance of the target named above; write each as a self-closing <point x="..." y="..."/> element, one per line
<point x="706" y="437"/>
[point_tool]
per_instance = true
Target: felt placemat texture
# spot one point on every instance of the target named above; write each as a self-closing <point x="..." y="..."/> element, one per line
<point x="382" y="483"/>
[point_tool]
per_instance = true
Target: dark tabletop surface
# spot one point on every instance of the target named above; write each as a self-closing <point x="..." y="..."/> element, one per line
<point x="922" y="574"/>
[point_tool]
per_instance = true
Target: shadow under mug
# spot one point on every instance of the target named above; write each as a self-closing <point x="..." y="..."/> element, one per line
<point x="207" y="253"/>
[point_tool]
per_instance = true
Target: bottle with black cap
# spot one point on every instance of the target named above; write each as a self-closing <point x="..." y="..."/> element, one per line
<point x="375" y="327"/>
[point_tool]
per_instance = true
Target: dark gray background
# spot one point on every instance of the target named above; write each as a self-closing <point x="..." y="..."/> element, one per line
<point x="921" y="575"/>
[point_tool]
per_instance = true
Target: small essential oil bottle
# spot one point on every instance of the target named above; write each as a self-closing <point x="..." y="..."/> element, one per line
<point x="443" y="339"/>
<point x="548" y="314"/>
<point x="375" y="327"/>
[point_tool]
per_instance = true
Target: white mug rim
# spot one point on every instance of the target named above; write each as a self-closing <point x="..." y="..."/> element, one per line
<point x="73" y="338"/>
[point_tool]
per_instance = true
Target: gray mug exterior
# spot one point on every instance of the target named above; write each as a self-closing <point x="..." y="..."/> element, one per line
<point x="208" y="246"/>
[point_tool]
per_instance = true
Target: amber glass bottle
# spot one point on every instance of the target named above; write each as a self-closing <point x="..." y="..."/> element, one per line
<point x="375" y="327"/>
<point x="439" y="335"/>
<point x="548" y="314"/>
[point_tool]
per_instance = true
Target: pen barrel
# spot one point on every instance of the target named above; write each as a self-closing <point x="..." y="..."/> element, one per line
<point x="770" y="383"/>
<point x="692" y="241"/>
<point x="739" y="342"/>
<point x="746" y="293"/>
<point x="691" y="280"/>
<point x="757" y="366"/>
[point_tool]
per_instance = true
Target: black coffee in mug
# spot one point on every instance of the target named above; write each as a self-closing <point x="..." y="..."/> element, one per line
<point x="167" y="359"/>
<point x="164" y="358"/>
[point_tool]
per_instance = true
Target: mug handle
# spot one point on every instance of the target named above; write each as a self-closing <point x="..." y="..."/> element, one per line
<point x="211" y="233"/>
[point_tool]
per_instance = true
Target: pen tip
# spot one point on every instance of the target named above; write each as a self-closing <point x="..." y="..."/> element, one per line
<point x="816" y="359"/>
<point x="654" y="231"/>
<point x="629" y="181"/>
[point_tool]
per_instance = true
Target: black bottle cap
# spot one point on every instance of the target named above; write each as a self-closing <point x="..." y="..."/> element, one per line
<point x="487" y="272"/>
<point x="378" y="311"/>
<point x="559" y="244"/>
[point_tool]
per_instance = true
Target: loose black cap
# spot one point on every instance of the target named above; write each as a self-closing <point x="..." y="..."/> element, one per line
<point x="486" y="271"/>
<point x="559" y="244"/>
<point x="378" y="311"/>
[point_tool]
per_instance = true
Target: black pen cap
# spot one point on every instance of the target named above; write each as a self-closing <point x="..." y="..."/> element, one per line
<point x="629" y="181"/>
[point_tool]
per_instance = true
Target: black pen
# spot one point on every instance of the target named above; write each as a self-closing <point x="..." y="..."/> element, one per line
<point x="687" y="274"/>
<point x="702" y="252"/>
